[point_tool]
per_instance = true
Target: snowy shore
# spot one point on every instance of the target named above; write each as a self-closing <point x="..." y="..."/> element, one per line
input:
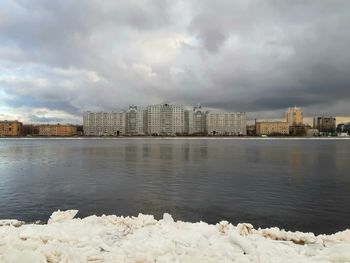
<point x="144" y="239"/>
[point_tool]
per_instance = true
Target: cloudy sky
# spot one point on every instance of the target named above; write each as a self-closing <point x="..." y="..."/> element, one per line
<point x="60" y="58"/>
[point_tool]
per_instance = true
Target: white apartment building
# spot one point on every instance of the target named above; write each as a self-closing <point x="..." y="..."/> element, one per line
<point x="197" y="119"/>
<point x="104" y="123"/>
<point x="136" y="121"/>
<point x="166" y="119"/>
<point x="226" y="123"/>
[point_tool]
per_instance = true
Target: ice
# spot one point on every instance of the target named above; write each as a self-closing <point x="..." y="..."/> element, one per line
<point x="145" y="239"/>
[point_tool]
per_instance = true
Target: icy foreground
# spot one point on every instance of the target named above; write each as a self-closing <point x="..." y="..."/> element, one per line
<point x="144" y="239"/>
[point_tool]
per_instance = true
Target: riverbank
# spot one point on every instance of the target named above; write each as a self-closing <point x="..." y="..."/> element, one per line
<point x="144" y="239"/>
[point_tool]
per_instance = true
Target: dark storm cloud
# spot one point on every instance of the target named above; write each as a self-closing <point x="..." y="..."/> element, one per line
<point x="241" y="55"/>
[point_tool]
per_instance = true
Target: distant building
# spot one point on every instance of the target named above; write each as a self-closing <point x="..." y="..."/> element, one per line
<point x="10" y="128"/>
<point x="57" y="130"/>
<point x="272" y="128"/>
<point x="343" y="128"/>
<point x="251" y="131"/>
<point x="299" y="130"/>
<point x="294" y="116"/>
<point x="104" y="123"/>
<point x="197" y="119"/>
<point x="312" y="133"/>
<point x="166" y="119"/>
<point x="136" y="121"/>
<point x="30" y="130"/>
<point x="226" y="123"/>
<point x="324" y="124"/>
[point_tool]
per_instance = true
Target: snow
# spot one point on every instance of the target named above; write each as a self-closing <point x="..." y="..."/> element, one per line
<point x="144" y="239"/>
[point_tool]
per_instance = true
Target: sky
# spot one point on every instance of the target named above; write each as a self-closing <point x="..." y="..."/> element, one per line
<point x="61" y="58"/>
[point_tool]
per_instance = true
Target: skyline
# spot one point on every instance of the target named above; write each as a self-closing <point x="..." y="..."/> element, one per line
<point x="60" y="58"/>
<point x="308" y="120"/>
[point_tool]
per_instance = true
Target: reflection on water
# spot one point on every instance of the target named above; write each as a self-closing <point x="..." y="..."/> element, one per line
<point x="294" y="184"/>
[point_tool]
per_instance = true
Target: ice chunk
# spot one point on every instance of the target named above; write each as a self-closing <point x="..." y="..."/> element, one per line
<point x="144" y="239"/>
<point x="62" y="216"/>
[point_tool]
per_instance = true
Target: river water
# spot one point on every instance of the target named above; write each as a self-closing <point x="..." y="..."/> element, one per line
<point x="296" y="184"/>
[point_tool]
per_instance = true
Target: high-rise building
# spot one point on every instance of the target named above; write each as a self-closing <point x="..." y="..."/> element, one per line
<point x="197" y="120"/>
<point x="166" y="119"/>
<point x="294" y="116"/>
<point x="10" y="128"/>
<point x="104" y="123"/>
<point x="136" y="121"/>
<point x="324" y="124"/>
<point x="226" y="123"/>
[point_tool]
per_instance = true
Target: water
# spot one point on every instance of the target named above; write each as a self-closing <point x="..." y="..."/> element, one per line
<point x="293" y="184"/>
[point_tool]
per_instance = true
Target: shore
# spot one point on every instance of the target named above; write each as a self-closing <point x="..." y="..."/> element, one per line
<point x="144" y="239"/>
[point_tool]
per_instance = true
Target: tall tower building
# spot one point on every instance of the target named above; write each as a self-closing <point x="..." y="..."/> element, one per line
<point x="294" y="116"/>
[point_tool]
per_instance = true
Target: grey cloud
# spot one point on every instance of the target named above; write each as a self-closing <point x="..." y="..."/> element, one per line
<point x="233" y="55"/>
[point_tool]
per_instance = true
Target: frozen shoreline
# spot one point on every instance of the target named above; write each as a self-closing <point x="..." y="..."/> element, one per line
<point x="144" y="239"/>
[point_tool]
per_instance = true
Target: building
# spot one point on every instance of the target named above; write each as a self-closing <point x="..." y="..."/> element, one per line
<point x="324" y="124"/>
<point x="312" y="133"/>
<point x="277" y="128"/>
<point x="57" y="130"/>
<point x="104" y="123"/>
<point x="294" y="116"/>
<point x="136" y="121"/>
<point x="251" y="130"/>
<point x="10" y="128"/>
<point x="226" y="123"/>
<point x="343" y="128"/>
<point x="30" y="130"/>
<point x="166" y="119"/>
<point x="197" y="121"/>
<point x="299" y="130"/>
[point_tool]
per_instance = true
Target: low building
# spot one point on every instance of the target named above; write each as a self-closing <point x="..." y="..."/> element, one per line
<point x="251" y="130"/>
<point x="30" y="130"/>
<point x="299" y="130"/>
<point x="57" y="130"/>
<point x="10" y="128"/>
<point x="312" y="133"/>
<point x="325" y="124"/>
<point x="275" y="128"/>
<point x="343" y="128"/>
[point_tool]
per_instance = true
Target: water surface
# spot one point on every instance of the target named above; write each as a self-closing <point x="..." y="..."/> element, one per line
<point x="299" y="184"/>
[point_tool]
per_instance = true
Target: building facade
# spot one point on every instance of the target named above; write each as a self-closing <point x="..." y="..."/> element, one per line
<point x="343" y="128"/>
<point x="104" y="123"/>
<point x="197" y="121"/>
<point x="57" y="130"/>
<point x="272" y="128"/>
<point x="10" y="128"/>
<point x="166" y="119"/>
<point x="136" y="121"/>
<point x="324" y="124"/>
<point x="294" y="116"/>
<point x="226" y="123"/>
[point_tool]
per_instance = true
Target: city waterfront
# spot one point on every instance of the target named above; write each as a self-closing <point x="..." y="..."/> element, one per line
<point x="297" y="184"/>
